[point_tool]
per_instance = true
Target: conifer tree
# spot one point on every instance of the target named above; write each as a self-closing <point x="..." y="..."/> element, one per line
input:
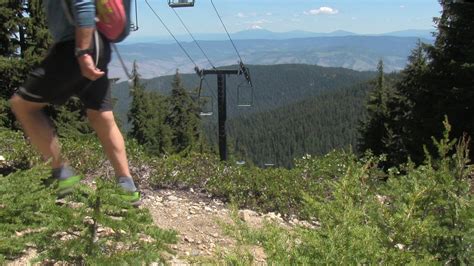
<point x="24" y="39"/>
<point x="451" y="75"/>
<point x="405" y="141"/>
<point x="183" y="117"/>
<point x="439" y="81"/>
<point x="147" y="117"/>
<point x="374" y="129"/>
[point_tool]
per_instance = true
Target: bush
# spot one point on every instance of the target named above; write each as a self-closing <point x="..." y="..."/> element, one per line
<point x="94" y="227"/>
<point x="421" y="215"/>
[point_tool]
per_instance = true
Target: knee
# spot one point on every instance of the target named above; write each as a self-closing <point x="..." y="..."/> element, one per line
<point x="15" y="103"/>
<point x="18" y="105"/>
<point x="100" y="119"/>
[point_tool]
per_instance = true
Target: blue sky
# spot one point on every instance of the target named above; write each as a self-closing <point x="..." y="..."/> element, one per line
<point x="359" y="16"/>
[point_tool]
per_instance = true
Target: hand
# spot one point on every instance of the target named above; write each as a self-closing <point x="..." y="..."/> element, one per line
<point x="88" y="67"/>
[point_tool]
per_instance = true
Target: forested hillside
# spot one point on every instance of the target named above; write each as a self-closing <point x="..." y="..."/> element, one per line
<point x="314" y="126"/>
<point x="274" y="86"/>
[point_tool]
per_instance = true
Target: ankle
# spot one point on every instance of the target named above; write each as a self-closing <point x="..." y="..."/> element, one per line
<point x="62" y="172"/>
<point x="126" y="183"/>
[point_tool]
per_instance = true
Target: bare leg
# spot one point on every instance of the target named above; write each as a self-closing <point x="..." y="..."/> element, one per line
<point x="37" y="127"/>
<point x="111" y="139"/>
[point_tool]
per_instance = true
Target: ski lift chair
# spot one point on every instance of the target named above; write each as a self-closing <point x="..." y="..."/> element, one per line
<point x="205" y="102"/>
<point x="244" y="100"/>
<point x="180" y="3"/>
<point x="247" y="85"/>
<point x="207" y="105"/>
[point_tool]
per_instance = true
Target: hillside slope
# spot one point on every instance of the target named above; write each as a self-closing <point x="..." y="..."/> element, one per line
<point x="313" y="126"/>
<point x="274" y="86"/>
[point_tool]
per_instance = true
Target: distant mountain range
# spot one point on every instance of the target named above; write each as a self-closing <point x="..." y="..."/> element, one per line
<point x="342" y="49"/>
<point x="259" y="34"/>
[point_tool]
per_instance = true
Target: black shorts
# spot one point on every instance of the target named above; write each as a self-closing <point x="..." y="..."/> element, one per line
<point x="59" y="77"/>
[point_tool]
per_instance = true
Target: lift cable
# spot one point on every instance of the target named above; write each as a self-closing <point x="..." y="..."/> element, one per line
<point x="196" y="68"/>
<point x="169" y="31"/>
<point x="194" y="39"/>
<point x="225" y="28"/>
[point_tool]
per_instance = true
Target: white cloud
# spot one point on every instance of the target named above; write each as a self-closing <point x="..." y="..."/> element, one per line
<point x="324" y="10"/>
<point x="402" y="6"/>
<point x="269" y="14"/>
<point x="259" y="22"/>
<point x="241" y="15"/>
<point x="256" y="27"/>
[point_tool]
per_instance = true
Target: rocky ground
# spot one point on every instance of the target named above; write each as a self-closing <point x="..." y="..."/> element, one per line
<point x="199" y="221"/>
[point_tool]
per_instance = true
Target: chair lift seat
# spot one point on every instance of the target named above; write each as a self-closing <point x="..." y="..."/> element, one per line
<point x="180" y="3"/>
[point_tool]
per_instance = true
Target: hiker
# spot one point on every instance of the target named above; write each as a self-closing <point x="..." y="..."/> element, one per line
<point x="76" y="65"/>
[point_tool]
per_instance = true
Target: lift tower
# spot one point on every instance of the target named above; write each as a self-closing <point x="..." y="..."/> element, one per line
<point x="222" y="100"/>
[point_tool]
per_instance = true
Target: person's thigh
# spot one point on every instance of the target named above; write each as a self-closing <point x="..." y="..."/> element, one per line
<point x="56" y="79"/>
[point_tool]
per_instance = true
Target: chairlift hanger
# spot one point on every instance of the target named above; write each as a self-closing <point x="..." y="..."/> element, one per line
<point x="200" y="97"/>
<point x="180" y="3"/>
<point x="246" y="73"/>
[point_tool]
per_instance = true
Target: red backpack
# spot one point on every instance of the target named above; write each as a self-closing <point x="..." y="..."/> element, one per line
<point x="113" y="18"/>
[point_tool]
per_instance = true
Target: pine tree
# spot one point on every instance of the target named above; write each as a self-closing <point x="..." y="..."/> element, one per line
<point x="24" y="40"/>
<point x="451" y="76"/>
<point x="147" y="117"/>
<point x="374" y="129"/>
<point x="405" y="139"/>
<point x="439" y="81"/>
<point x="183" y="117"/>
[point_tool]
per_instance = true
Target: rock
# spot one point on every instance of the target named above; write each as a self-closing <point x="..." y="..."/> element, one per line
<point x="188" y="239"/>
<point x="215" y="235"/>
<point x="116" y="218"/>
<point x="88" y="220"/>
<point x="208" y="209"/>
<point x="2" y="158"/>
<point x="191" y="190"/>
<point x="246" y="215"/>
<point x="174" y="215"/>
<point x="273" y="216"/>
<point x="173" y="198"/>
<point x="381" y="199"/>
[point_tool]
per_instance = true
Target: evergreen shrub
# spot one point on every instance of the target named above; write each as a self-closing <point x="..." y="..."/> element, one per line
<point x="88" y="227"/>
<point x="421" y="215"/>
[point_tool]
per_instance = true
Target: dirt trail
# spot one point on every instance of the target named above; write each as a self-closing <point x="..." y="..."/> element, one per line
<point x="198" y="221"/>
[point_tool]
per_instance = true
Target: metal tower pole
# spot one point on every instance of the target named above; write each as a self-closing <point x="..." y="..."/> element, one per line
<point x="222" y="111"/>
<point x="221" y="105"/>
